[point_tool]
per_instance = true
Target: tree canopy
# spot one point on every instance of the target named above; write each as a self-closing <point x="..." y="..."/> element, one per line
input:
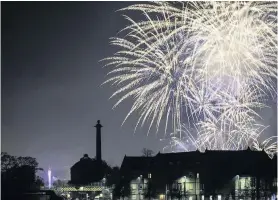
<point x="147" y="152"/>
<point x="18" y="174"/>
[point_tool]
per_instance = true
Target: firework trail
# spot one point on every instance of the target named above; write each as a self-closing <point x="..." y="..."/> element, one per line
<point x="209" y="136"/>
<point x="208" y="63"/>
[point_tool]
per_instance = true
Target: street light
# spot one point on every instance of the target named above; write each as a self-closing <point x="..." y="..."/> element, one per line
<point x="197" y="177"/>
<point x="103" y="181"/>
<point x="139" y="185"/>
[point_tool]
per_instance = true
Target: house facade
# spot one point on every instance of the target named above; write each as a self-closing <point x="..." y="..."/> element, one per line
<point x="211" y="175"/>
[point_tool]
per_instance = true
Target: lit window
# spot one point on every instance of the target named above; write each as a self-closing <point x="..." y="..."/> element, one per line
<point x="190" y="198"/>
<point x="189" y="186"/>
<point x="149" y="175"/>
<point x="197" y="175"/>
<point x="203" y="198"/>
<point x="183" y="179"/>
<point x="244" y="183"/>
<point x="219" y="197"/>
<point x="133" y="186"/>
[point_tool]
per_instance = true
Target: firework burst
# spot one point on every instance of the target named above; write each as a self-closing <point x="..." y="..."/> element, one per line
<point x="212" y="136"/>
<point x="208" y="63"/>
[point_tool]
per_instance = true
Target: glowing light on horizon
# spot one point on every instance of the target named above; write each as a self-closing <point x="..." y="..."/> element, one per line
<point x="49" y="178"/>
<point x="205" y="64"/>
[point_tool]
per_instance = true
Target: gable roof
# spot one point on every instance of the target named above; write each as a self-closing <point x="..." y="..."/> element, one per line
<point x="194" y="160"/>
<point x="136" y="163"/>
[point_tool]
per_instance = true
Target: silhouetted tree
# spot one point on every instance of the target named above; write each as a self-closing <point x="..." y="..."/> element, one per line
<point x="113" y="176"/>
<point x="122" y="190"/>
<point x="147" y="152"/>
<point x="9" y="162"/>
<point x="18" y="174"/>
<point x="175" y="192"/>
<point x="59" y="183"/>
<point x="39" y="182"/>
<point x="117" y="191"/>
<point x="150" y="191"/>
<point x="125" y="191"/>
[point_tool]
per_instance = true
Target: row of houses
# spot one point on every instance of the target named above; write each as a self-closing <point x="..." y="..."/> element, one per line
<point x="198" y="175"/>
<point x="209" y="175"/>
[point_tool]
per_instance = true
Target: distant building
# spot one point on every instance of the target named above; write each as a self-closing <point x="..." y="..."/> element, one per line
<point x="87" y="176"/>
<point x="217" y="175"/>
<point x="88" y="170"/>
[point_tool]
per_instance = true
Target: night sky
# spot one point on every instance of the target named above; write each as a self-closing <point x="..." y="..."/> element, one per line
<point x="51" y="77"/>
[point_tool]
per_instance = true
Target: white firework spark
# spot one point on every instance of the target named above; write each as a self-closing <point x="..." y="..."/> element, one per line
<point x="234" y="40"/>
<point x="156" y="79"/>
<point x="209" y="63"/>
<point x="187" y="141"/>
<point x="209" y="136"/>
<point x="269" y="145"/>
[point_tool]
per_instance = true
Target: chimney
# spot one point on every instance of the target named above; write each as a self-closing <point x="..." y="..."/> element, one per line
<point x="98" y="141"/>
